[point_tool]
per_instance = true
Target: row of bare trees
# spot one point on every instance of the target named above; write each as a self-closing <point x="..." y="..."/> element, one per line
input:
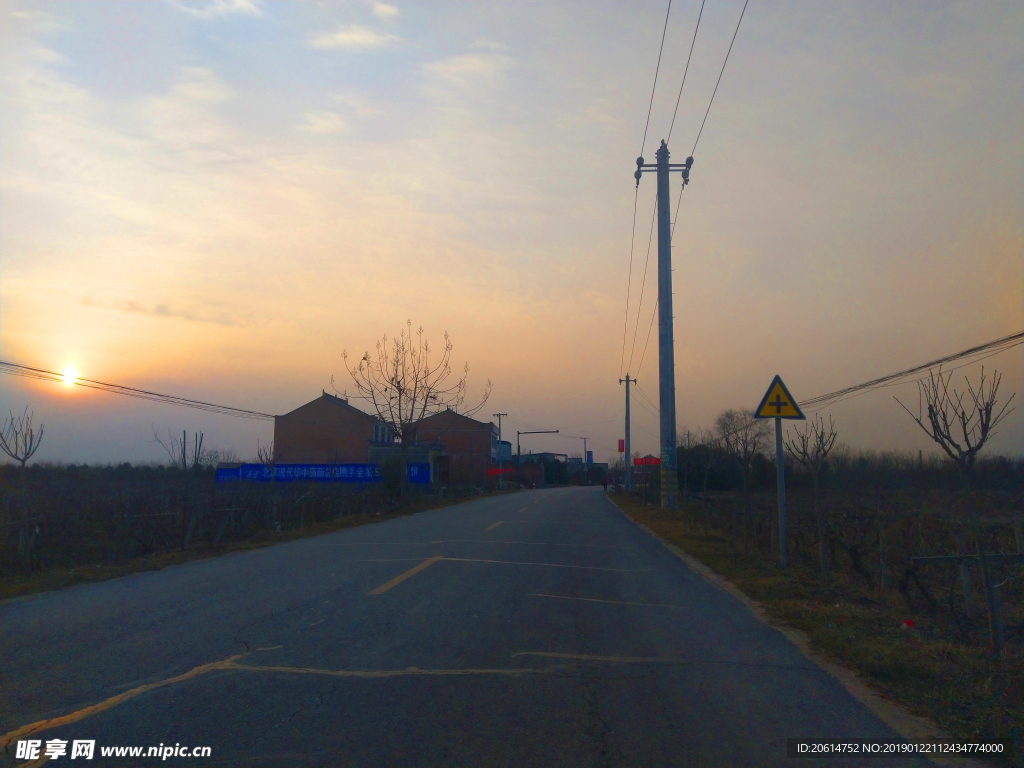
<point x="960" y="422"/>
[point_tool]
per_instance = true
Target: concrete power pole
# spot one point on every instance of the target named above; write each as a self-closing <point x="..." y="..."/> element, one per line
<point x="501" y="477"/>
<point x="628" y="479"/>
<point x="666" y="348"/>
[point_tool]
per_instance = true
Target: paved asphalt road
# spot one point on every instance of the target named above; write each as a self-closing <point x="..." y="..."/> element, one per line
<point x="537" y="628"/>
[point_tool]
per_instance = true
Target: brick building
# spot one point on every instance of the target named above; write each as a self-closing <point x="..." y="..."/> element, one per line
<point x="327" y="431"/>
<point x="471" y="446"/>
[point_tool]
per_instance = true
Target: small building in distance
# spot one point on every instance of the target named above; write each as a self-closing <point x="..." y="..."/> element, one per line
<point x="541" y="457"/>
<point x="471" y="446"/>
<point x="327" y="431"/>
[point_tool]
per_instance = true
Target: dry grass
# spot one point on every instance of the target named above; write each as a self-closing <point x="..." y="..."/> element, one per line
<point x="928" y="670"/>
<point x="59" y="577"/>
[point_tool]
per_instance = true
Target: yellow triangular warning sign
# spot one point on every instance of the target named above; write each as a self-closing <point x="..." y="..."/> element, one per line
<point x="777" y="403"/>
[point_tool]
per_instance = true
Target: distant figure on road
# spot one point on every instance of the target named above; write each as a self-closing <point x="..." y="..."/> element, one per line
<point x="605" y="484"/>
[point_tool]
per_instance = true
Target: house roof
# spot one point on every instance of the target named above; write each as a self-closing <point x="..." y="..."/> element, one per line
<point x="447" y="419"/>
<point x="333" y="400"/>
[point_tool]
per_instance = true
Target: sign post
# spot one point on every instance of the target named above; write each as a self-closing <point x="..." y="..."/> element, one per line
<point x="778" y="404"/>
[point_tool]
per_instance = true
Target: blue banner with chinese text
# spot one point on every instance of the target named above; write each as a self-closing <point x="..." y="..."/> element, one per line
<point x="315" y="473"/>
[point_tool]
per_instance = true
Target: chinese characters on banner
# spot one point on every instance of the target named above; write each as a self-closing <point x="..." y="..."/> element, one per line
<point x="322" y="473"/>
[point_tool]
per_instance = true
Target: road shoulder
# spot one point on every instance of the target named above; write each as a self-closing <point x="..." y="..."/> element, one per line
<point x="911" y="727"/>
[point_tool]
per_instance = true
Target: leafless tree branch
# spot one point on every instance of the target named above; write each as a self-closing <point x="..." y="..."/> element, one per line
<point x="19" y="438"/>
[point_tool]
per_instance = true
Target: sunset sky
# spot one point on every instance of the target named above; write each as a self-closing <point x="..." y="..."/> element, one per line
<point x="215" y="199"/>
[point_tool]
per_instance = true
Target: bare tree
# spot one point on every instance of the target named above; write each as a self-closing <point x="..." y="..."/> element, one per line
<point x="265" y="455"/>
<point x="810" y="447"/>
<point x="211" y="457"/>
<point x="709" y="454"/>
<point x="19" y="438"/>
<point x="404" y="385"/>
<point x="178" y="448"/>
<point x="743" y="437"/>
<point x="688" y="440"/>
<point x="961" y="430"/>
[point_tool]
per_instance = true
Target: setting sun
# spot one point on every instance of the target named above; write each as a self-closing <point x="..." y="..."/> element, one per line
<point x="68" y="375"/>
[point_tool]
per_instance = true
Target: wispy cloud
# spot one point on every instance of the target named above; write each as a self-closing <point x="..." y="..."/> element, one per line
<point x="217" y="8"/>
<point x="193" y="314"/>
<point x="470" y="68"/>
<point x="322" y="122"/>
<point x="353" y="36"/>
<point x="385" y="11"/>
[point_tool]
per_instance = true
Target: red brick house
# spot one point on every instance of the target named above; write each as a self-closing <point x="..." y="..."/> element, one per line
<point x="471" y="446"/>
<point x="327" y="431"/>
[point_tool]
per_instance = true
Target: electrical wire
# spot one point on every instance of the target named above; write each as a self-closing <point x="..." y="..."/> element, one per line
<point x="655" y="86"/>
<point x="643" y="145"/>
<point x="685" y="71"/>
<point x="629" y="280"/>
<point x="651" y="402"/>
<point x="13" y="369"/>
<point x="745" y="3"/>
<point x="643" y="284"/>
<point x="645" y="409"/>
<point x="993" y="347"/>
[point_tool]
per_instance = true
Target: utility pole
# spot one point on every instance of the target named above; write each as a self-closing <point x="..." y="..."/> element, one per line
<point x="628" y="480"/>
<point x="501" y="477"/>
<point x="666" y="343"/>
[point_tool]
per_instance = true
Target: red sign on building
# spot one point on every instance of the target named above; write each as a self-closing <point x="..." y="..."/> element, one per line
<point x="646" y="460"/>
<point x="622" y="446"/>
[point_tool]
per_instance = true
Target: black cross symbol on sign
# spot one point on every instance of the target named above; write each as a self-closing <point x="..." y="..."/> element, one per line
<point x="779" y="403"/>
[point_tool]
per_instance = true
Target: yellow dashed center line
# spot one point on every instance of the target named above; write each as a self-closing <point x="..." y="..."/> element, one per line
<point x="402" y="577"/>
<point x="493" y="525"/>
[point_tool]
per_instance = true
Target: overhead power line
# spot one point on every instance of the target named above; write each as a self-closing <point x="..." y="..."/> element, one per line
<point x="656" y="70"/>
<point x="987" y="350"/>
<point x="685" y="71"/>
<point x="632" y="239"/>
<point x="650" y="236"/>
<point x="643" y="285"/>
<point x="629" y="279"/>
<point x="644" y="394"/>
<point x="13" y="369"/>
<point x="720" y="76"/>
